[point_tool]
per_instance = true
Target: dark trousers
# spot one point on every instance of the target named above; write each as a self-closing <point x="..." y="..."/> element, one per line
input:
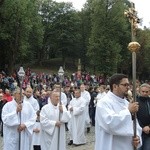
<point x="92" y="115"/>
<point x="1" y="130"/>
<point x="145" y="143"/>
<point x="36" y="147"/>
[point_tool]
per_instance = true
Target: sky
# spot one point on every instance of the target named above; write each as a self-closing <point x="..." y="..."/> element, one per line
<point x="142" y="7"/>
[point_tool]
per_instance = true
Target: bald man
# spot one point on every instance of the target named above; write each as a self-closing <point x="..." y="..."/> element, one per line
<point x="53" y="117"/>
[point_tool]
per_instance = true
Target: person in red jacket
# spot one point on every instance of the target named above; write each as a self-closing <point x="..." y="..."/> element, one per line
<point x="7" y="96"/>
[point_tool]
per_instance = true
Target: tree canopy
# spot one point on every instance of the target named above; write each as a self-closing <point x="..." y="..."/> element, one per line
<point x="37" y="31"/>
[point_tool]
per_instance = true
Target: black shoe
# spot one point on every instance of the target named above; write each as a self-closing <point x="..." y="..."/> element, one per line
<point x="88" y="129"/>
<point x="71" y="142"/>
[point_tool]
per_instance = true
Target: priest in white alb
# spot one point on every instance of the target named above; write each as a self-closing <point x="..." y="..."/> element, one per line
<point x="76" y="125"/>
<point x="53" y="127"/>
<point x="114" y="124"/>
<point x="18" y="119"/>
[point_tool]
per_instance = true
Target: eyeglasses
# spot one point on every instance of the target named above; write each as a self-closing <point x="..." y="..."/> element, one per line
<point x="125" y="85"/>
<point x="144" y="91"/>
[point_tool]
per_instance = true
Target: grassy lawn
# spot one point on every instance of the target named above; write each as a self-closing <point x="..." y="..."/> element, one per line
<point x="52" y="66"/>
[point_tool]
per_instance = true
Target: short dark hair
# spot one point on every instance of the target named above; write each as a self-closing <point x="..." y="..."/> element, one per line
<point x="115" y="79"/>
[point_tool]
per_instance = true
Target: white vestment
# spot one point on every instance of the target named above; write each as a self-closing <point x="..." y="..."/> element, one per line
<point x="11" y="120"/>
<point x="86" y="95"/>
<point x="63" y="98"/>
<point x="36" y="137"/>
<point x="114" y="125"/>
<point x="33" y="102"/>
<point x="77" y="123"/>
<point x="100" y="95"/>
<point x="48" y="117"/>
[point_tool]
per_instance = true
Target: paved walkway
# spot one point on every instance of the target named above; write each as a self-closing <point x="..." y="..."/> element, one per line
<point x="88" y="146"/>
<point x="90" y="142"/>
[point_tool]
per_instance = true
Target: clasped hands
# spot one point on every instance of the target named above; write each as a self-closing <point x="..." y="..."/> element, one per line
<point x="21" y="127"/>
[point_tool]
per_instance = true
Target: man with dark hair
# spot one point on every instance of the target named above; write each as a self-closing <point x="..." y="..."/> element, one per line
<point x="113" y="121"/>
<point x="143" y="114"/>
<point x="92" y="105"/>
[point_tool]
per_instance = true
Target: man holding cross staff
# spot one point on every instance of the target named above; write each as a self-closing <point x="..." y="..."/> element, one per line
<point x="19" y="119"/>
<point x="115" y="129"/>
<point x="17" y="133"/>
<point x="133" y="47"/>
<point x="114" y="124"/>
<point x="53" y="117"/>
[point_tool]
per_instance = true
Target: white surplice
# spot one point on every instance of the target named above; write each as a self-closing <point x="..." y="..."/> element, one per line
<point x="11" y="120"/>
<point x="63" y="98"/>
<point x="33" y="102"/>
<point x="49" y="133"/>
<point x="114" y="125"/>
<point x="36" y="137"/>
<point x="86" y="95"/>
<point x="77" y="123"/>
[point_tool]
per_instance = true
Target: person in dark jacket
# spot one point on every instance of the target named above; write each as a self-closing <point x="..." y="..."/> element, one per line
<point x="2" y="103"/>
<point x="92" y="105"/>
<point x="143" y="115"/>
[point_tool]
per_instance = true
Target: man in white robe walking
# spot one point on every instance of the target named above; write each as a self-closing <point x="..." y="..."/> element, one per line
<point x="76" y="125"/>
<point x="53" y="129"/>
<point x="86" y="95"/>
<point x="114" y="124"/>
<point x="18" y="130"/>
<point x="29" y="98"/>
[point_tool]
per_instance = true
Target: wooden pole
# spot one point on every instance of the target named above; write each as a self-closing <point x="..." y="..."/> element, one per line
<point x="133" y="72"/>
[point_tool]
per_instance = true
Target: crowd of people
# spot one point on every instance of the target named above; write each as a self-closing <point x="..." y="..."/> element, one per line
<point x="43" y="110"/>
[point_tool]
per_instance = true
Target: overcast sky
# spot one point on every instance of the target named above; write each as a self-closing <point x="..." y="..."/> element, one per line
<point x="142" y="6"/>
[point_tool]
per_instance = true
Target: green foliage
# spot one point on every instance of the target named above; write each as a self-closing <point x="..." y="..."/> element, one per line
<point x="18" y="19"/>
<point x="108" y="33"/>
<point x="143" y="37"/>
<point x="61" y="24"/>
<point x="37" y="31"/>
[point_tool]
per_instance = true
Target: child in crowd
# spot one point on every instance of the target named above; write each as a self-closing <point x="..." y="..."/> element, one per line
<point x="36" y="133"/>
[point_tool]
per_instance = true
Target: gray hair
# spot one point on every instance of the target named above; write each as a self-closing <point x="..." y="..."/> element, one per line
<point x="17" y="91"/>
<point x="145" y="85"/>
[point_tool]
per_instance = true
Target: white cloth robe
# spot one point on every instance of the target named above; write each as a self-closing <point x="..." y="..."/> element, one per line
<point x="49" y="133"/>
<point x="63" y="98"/>
<point x="33" y="102"/>
<point x="100" y="95"/>
<point x="11" y="120"/>
<point x="76" y="124"/>
<point x="114" y="125"/>
<point x="86" y="95"/>
<point x="36" y="137"/>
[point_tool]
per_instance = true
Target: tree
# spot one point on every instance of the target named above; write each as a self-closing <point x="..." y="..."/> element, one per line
<point x="143" y="61"/>
<point x="85" y="30"/>
<point x="61" y="29"/>
<point x="16" y="26"/>
<point x="108" y="36"/>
